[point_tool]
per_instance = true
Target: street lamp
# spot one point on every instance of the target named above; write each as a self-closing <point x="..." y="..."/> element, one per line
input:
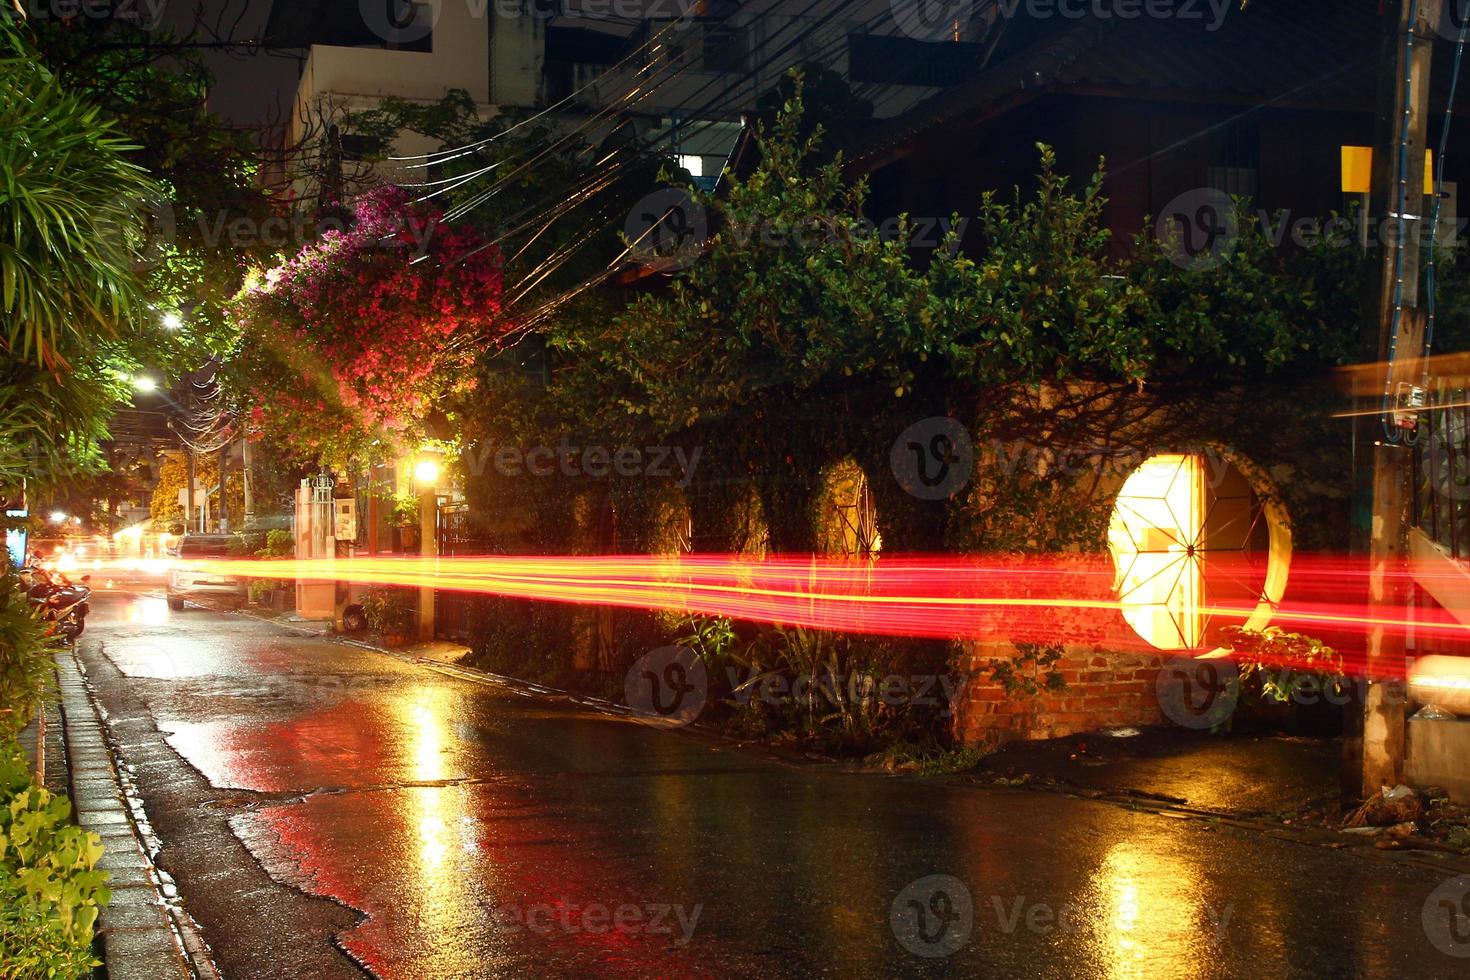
<point x="426" y="472"/>
<point x="426" y="475"/>
<point x="58" y="517"/>
<point x="172" y="321"/>
<point x="144" y="383"/>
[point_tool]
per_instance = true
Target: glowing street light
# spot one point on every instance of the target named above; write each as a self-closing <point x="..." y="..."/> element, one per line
<point x="144" y="383"/>
<point x="172" y="321"/>
<point x="58" y="517"/>
<point x="426" y="472"/>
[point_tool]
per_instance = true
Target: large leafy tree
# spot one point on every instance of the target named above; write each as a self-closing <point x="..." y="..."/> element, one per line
<point x="69" y="292"/>
<point x="208" y="217"/>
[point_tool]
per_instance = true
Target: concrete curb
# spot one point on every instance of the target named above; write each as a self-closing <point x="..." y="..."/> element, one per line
<point x="144" y="935"/>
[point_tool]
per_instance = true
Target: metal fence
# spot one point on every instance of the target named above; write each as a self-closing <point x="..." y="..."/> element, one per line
<point x="455" y="612"/>
<point x="1441" y="484"/>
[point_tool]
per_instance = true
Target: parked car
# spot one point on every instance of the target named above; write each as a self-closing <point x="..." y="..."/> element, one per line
<point x="187" y="579"/>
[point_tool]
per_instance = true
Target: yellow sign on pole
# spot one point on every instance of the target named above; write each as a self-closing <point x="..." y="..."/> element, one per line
<point x="1357" y="170"/>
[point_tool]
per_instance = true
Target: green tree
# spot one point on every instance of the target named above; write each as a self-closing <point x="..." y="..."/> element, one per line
<point x="208" y="215"/>
<point x="69" y="293"/>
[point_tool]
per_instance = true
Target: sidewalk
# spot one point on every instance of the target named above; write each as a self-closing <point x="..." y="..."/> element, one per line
<point x="435" y="651"/>
<point x="143" y="935"/>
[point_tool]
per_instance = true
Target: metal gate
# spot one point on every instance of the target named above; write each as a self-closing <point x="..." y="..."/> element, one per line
<point x="1441" y="483"/>
<point x="455" y="612"/>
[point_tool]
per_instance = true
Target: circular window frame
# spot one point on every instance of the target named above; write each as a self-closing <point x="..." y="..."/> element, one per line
<point x="1278" y="541"/>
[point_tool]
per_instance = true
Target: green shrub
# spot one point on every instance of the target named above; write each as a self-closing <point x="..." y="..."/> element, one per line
<point x="278" y="544"/>
<point x="26" y="670"/>
<point x="530" y="640"/>
<point x="390" y="612"/>
<point x="50" y="887"/>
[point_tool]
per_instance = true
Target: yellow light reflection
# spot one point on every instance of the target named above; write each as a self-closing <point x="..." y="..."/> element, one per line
<point x="428" y="742"/>
<point x="432" y="847"/>
<point x="146" y="612"/>
<point x="1152" y="913"/>
<point x="433" y="818"/>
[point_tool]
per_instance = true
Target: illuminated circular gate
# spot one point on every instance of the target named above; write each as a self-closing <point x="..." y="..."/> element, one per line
<point x="1197" y="545"/>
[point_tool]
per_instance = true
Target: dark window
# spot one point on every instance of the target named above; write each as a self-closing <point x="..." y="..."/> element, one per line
<point x="355" y="147"/>
<point x="1237" y="166"/>
<point x="725" y="49"/>
<point x="885" y="196"/>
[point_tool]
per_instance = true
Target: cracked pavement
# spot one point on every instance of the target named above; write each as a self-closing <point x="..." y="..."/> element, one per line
<point x="331" y="811"/>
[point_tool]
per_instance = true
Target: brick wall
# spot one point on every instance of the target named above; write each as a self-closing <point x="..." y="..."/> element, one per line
<point x="1104" y="689"/>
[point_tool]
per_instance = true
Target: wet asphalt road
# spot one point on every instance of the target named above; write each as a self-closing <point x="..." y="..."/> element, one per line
<point x="327" y="809"/>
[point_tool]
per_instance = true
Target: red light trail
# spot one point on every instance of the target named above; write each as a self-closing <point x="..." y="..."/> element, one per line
<point x="1031" y="600"/>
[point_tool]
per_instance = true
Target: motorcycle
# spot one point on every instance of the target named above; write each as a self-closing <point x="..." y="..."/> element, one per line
<point x="62" y="602"/>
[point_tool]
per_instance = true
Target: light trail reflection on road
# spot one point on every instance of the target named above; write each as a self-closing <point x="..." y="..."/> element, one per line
<point x="146" y="611"/>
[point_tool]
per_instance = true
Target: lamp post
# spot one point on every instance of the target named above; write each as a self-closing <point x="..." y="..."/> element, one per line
<point x="426" y="474"/>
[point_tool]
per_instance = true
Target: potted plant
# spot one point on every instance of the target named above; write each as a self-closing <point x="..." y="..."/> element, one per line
<point x="391" y="614"/>
<point x="261" y="590"/>
<point x="277" y="595"/>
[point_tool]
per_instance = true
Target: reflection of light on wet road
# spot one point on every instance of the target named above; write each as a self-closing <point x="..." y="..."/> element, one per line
<point x="427" y="730"/>
<point x="431" y="835"/>
<point x="1151" y="920"/>
<point x="143" y="611"/>
<point x="436" y="891"/>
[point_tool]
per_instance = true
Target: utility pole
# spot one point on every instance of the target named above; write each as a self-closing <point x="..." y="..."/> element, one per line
<point x="247" y="482"/>
<point x="189" y="491"/>
<point x="1393" y="338"/>
<point x="428" y="548"/>
<point x="224" y="501"/>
